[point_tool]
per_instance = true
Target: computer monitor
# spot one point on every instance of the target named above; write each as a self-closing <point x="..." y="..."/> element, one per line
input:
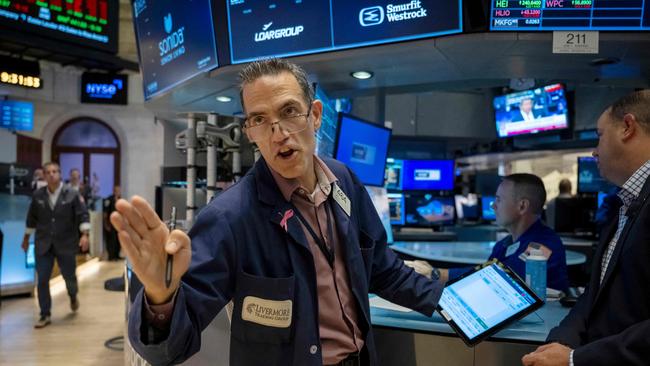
<point x="363" y="147"/>
<point x="575" y="214"/>
<point x="396" y="208"/>
<point x="393" y="175"/>
<point x="427" y="210"/>
<point x="379" y="198"/>
<point x="487" y="210"/>
<point x="589" y="178"/>
<point x="531" y="111"/>
<point x="467" y="206"/>
<point x="428" y="175"/>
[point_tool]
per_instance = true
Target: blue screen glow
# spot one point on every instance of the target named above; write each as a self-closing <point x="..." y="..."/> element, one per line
<point x="18" y="116"/>
<point x="589" y="178"/>
<point x="487" y="212"/>
<point x="363" y="147"/>
<point x="429" y="175"/>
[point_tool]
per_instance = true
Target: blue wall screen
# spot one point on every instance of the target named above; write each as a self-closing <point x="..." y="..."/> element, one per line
<point x="429" y="175"/>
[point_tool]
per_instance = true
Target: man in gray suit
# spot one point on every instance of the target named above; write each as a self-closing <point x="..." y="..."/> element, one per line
<point x="57" y="215"/>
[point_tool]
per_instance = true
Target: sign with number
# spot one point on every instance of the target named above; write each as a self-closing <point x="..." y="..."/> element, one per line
<point x="575" y="42"/>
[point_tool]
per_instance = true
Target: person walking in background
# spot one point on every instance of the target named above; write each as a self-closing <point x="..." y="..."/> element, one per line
<point x="110" y="234"/>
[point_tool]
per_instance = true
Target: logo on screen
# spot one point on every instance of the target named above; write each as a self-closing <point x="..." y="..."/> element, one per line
<point x="362" y="153"/>
<point x="426" y="174"/>
<point x="167" y="20"/>
<point x="267" y="35"/>
<point x="373" y="15"/>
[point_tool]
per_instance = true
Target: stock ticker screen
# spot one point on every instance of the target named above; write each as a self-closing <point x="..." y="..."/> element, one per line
<point x="91" y="23"/>
<point x="548" y="15"/>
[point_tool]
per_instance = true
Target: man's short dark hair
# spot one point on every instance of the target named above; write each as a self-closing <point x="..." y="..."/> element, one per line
<point x="274" y="66"/>
<point x="51" y="163"/>
<point x="565" y="186"/>
<point x="530" y="187"/>
<point x="636" y="103"/>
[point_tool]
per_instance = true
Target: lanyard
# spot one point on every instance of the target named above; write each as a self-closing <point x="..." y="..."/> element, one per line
<point x="327" y="251"/>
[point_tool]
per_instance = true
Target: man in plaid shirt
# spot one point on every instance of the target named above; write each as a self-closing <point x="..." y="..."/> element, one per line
<point x="610" y="324"/>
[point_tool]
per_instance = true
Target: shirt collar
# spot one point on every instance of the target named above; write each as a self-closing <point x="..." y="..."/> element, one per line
<point x="631" y="189"/>
<point x="324" y="180"/>
<point x="56" y="191"/>
<point x="523" y="238"/>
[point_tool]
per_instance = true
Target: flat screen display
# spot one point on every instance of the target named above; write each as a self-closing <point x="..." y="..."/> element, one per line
<point x="175" y="42"/>
<point x="589" y="178"/>
<point x="393" y="175"/>
<point x="18" y="116"/>
<point x="104" y="88"/>
<point x="396" y="208"/>
<point x="426" y="210"/>
<point x="379" y="198"/>
<point x="487" y="209"/>
<point x="260" y="29"/>
<point x="326" y="135"/>
<point x="587" y="15"/>
<point x="363" y="147"/>
<point x="482" y="301"/>
<point x="531" y="111"/>
<point x="428" y="175"/>
<point x="91" y="23"/>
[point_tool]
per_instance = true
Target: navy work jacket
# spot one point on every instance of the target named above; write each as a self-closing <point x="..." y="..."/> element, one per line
<point x="244" y="252"/>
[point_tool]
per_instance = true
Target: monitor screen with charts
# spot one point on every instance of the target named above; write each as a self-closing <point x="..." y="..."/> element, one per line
<point x="484" y="301"/>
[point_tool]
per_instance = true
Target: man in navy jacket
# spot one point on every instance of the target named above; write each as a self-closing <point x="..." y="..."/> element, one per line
<point x="296" y="243"/>
<point x="610" y="324"/>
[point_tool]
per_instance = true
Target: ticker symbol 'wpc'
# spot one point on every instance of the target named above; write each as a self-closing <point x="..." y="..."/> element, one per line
<point x="371" y="16"/>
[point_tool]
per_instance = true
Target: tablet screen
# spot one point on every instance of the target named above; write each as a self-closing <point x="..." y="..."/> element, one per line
<point x="484" y="300"/>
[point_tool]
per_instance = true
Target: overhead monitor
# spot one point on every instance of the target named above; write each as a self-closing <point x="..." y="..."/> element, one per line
<point x="531" y="111"/>
<point x="88" y="23"/>
<point x="363" y="146"/>
<point x="393" y="175"/>
<point x="428" y="175"/>
<point x="396" y="209"/>
<point x="175" y="42"/>
<point x="585" y="15"/>
<point x="427" y="210"/>
<point x="261" y="29"/>
<point x="589" y="178"/>
<point x="326" y="134"/>
<point x="17" y="116"/>
<point x="487" y="208"/>
<point x="104" y="88"/>
<point x="379" y="198"/>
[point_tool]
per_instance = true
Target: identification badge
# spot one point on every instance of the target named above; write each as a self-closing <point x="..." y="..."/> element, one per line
<point x="512" y="249"/>
<point x="342" y="199"/>
<point x="272" y="313"/>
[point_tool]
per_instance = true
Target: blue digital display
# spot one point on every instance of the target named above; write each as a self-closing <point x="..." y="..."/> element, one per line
<point x="18" y="116"/>
<point x="531" y="111"/>
<point x="326" y="135"/>
<point x="426" y="210"/>
<point x="175" y="42"/>
<point x="396" y="208"/>
<point x="260" y="29"/>
<point x="487" y="211"/>
<point x="589" y="178"/>
<point x="545" y="15"/>
<point x="104" y="88"/>
<point x="363" y="147"/>
<point x="429" y="175"/>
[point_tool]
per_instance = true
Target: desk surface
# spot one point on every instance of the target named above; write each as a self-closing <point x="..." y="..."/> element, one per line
<point x="534" y="328"/>
<point x="463" y="252"/>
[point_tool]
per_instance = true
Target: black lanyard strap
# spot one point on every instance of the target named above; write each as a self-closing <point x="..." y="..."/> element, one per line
<point x="327" y="251"/>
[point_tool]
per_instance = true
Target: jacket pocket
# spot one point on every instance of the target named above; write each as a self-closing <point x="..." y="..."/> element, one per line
<point x="264" y="309"/>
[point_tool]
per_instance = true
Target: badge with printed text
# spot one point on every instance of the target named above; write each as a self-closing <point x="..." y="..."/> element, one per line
<point x="342" y="199"/>
<point x="272" y="313"/>
<point x="512" y="249"/>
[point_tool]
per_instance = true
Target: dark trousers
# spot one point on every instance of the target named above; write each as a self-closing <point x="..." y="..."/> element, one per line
<point x="44" y="264"/>
<point x="112" y="244"/>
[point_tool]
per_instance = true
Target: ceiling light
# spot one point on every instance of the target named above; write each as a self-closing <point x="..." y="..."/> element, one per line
<point x="361" y="75"/>
<point x="224" y="99"/>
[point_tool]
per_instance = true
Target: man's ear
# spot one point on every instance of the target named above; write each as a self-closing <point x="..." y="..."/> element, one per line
<point x="524" y="205"/>
<point x="630" y="126"/>
<point x="317" y="113"/>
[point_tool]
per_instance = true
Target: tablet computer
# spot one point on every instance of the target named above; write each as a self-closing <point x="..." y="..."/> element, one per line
<point x="485" y="300"/>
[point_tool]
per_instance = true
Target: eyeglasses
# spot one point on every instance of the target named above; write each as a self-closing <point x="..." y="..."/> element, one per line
<point x="259" y="127"/>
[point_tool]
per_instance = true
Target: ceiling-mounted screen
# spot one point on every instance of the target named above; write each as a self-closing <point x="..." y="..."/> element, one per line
<point x="549" y="15"/>
<point x="531" y="111"/>
<point x="175" y="42"/>
<point x="280" y="28"/>
<point x="91" y="23"/>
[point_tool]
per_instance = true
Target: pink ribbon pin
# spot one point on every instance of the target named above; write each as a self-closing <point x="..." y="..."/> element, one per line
<point x="287" y="215"/>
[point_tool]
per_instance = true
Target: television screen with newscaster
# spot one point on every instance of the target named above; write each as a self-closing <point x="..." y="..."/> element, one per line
<point x="363" y="146"/>
<point x="531" y="111"/>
